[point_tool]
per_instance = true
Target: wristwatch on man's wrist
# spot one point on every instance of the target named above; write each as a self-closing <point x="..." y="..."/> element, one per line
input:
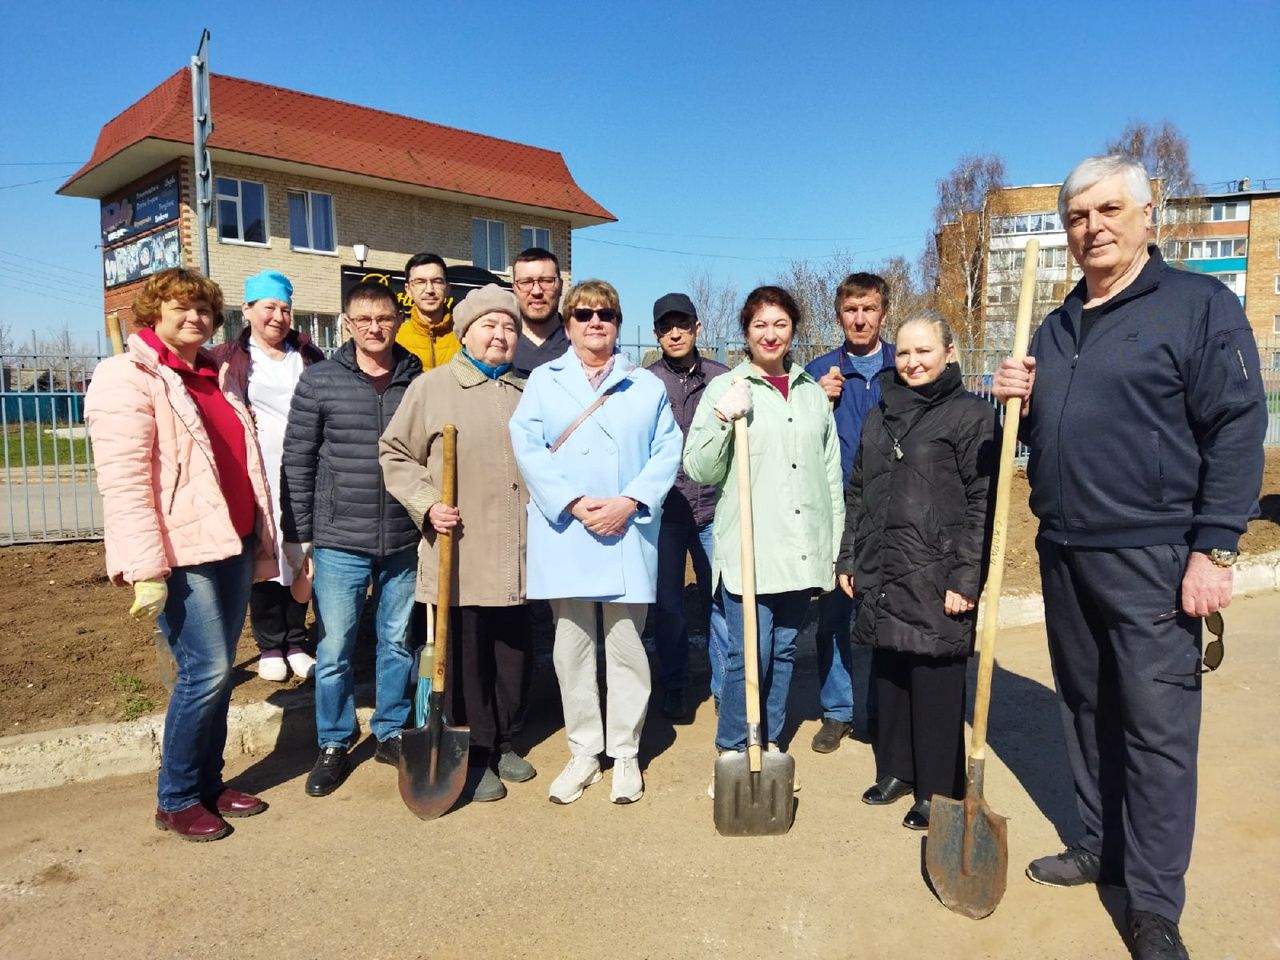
<point x="1223" y="558"/>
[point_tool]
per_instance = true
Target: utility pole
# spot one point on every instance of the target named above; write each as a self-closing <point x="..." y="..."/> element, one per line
<point x="202" y="127"/>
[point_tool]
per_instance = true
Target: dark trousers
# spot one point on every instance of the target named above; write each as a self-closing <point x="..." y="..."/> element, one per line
<point x="488" y="650"/>
<point x="278" y="621"/>
<point x="921" y="732"/>
<point x="1126" y="662"/>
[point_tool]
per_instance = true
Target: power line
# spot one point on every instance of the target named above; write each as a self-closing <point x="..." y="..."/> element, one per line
<point x="717" y="236"/>
<point x="48" y="296"/>
<point x="727" y="256"/>
<point x="27" y="183"/>
<point x="39" y="163"/>
<point x="46" y="263"/>
<point x="63" y="283"/>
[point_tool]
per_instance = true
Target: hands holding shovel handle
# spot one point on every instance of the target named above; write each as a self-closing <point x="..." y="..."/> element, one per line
<point x="433" y="757"/>
<point x="967" y="854"/>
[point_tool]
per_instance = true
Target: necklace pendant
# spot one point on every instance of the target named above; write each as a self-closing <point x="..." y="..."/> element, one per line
<point x="897" y="451"/>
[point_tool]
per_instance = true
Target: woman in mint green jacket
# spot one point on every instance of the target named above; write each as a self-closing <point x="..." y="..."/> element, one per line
<point x="797" y="502"/>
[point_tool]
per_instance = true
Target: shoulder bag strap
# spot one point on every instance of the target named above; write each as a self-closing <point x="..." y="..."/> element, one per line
<point x="596" y="405"/>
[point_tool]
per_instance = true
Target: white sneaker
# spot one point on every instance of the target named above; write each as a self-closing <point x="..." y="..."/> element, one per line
<point x="271" y="666"/>
<point x="578" y="774"/>
<point x="301" y="662"/>
<point x="628" y="784"/>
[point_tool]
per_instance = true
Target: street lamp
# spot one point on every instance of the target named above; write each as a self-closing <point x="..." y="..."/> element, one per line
<point x="361" y="250"/>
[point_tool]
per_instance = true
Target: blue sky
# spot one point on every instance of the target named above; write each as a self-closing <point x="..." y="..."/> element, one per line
<point x="793" y="129"/>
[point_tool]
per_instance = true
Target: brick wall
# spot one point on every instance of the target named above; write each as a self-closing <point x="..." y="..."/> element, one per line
<point x="1261" y="302"/>
<point x="394" y="225"/>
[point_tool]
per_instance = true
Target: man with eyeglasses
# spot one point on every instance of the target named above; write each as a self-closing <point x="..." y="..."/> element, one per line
<point x="535" y="277"/>
<point x="428" y="333"/>
<point x="1145" y="416"/>
<point x="687" y="512"/>
<point x="337" y="514"/>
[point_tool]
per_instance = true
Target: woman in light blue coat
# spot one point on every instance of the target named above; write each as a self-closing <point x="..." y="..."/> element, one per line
<point x="596" y="487"/>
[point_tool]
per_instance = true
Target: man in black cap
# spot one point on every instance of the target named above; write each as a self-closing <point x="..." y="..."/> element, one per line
<point x="687" y="512"/>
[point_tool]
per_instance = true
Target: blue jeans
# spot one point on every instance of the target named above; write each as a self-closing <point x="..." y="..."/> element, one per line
<point x="670" y="629"/>
<point x="202" y="620"/>
<point x="779" y="616"/>
<point x="835" y="611"/>
<point x="341" y="583"/>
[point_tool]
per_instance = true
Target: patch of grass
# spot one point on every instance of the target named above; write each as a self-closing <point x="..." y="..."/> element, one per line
<point x="135" y="704"/>
<point x="28" y="445"/>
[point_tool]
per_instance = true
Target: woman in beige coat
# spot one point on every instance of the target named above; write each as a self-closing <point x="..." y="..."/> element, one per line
<point x="477" y="392"/>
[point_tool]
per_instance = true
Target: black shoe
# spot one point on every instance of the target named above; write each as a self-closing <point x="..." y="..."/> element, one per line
<point x="674" y="705"/>
<point x="1072" y="867"/>
<point x="332" y="767"/>
<point x="887" y="790"/>
<point x="827" y="739"/>
<point x="917" y="817"/>
<point x="512" y="767"/>
<point x="388" y="751"/>
<point x="1153" y="937"/>
<point x="489" y="788"/>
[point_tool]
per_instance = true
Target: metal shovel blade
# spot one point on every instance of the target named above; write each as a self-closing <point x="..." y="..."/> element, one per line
<point x="433" y="767"/>
<point x="967" y="853"/>
<point x="754" y="804"/>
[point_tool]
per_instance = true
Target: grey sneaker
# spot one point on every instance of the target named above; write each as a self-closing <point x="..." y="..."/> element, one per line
<point x="628" y="784"/>
<point x="1154" y="937"/>
<point x="489" y="788"/>
<point x="514" y="768"/>
<point x="578" y="774"/>
<point x="1072" y="867"/>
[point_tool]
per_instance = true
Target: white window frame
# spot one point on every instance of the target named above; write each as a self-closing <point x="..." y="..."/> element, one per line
<point x="535" y="230"/>
<point x="333" y="223"/>
<point x="238" y="200"/>
<point x="1275" y="324"/>
<point x="1278" y="283"/>
<point x="489" y="222"/>
<point x="1238" y="208"/>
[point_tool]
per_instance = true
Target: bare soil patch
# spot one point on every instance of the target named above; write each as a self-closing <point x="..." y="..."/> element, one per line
<point x="70" y="653"/>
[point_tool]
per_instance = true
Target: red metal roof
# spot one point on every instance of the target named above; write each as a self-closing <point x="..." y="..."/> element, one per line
<point x="261" y="120"/>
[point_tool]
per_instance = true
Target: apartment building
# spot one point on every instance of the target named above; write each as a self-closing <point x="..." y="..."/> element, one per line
<point x="1232" y="234"/>
<point x="302" y="184"/>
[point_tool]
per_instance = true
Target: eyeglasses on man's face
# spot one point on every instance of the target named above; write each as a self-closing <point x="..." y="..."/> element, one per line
<point x="382" y="320"/>
<point x="525" y="284"/>
<point x="584" y="314"/>
<point x="421" y="283"/>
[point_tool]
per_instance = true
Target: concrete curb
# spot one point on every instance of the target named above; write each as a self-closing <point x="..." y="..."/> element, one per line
<point x="51" y="758"/>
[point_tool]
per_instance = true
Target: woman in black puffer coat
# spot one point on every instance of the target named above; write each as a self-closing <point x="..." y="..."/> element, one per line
<point x="915" y="540"/>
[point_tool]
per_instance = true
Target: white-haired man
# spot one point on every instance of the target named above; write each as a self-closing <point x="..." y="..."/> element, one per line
<point x="1145" y="420"/>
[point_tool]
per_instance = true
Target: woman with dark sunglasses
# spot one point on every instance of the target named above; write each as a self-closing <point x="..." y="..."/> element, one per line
<point x="598" y="447"/>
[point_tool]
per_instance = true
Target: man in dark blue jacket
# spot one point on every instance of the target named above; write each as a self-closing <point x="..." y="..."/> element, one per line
<point x="687" y="512"/>
<point x="335" y="509"/>
<point x="849" y="375"/>
<point x="1145" y="418"/>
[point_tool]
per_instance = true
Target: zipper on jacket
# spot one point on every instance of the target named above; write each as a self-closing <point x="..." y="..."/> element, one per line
<point x="382" y="487"/>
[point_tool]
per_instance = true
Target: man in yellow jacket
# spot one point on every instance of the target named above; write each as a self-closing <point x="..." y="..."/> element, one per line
<point x="428" y="333"/>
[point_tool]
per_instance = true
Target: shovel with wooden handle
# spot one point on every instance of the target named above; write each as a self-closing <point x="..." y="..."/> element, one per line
<point x="433" y="757"/>
<point x="754" y="790"/>
<point x="967" y="853"/>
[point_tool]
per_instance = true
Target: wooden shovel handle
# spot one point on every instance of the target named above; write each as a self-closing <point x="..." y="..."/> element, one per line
<point x="750" y="626"/>
<point x="1000" y="522"/>
<point x="444" y="547"/>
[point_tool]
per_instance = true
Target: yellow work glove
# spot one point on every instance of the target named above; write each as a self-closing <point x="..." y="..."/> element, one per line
<point x="149" y="597"/>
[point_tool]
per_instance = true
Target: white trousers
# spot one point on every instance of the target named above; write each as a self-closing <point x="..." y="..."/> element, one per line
<point x="626" y="668"/>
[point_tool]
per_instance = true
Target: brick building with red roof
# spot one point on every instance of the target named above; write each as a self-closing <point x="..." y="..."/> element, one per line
<point x="300" y="179"/>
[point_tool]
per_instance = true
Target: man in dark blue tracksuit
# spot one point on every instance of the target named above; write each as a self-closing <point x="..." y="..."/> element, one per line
<point x="1145" y="420"/>
<point x="849" y="375"/>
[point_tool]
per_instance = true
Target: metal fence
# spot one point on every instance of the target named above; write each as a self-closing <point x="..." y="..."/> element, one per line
<point x="47" y="484"/>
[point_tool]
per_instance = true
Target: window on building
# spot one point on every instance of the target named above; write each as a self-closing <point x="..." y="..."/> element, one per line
<point x="311" y="221"/>
<point x="1278" y="283"/>
<point x="242" y="210"/>
<point x="535" y="237"/>
<point x="1275" y="361"/>
<point x="489" y="244"/>
<point x="1230" y="210"/>
<point x="1209" y="249"/>
<point x="1026" y="223"/>
<point x="1275" y="324"/>
<point x="322" y="328"/>
<point x="1234" y="282"/>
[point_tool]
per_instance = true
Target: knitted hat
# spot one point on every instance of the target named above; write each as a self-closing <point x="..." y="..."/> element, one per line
<point x="268" y="283"/>
<point x="490" y="298"/>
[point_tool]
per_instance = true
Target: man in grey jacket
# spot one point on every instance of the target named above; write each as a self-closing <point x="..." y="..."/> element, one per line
<point x="687" y="511"/>
<point x="335" y="511"/>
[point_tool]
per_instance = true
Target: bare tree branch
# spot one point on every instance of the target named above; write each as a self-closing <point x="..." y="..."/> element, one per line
<point x="1164" y="152"/>
<point x="717" y="304"/>
<point x="962" y="228"/>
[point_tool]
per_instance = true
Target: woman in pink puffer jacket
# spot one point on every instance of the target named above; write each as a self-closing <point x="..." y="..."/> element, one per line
<point x="188" y="525"/>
